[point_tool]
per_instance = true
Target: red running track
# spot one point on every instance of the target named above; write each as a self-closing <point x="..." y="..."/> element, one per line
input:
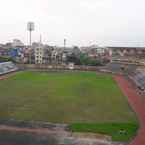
<point x="138" y="106"/>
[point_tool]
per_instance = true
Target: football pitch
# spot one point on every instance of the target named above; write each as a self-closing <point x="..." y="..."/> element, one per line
<point x="63" y="97"/>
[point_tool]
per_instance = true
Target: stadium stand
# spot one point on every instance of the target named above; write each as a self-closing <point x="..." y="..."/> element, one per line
<point x="7" y="67"/>
<point x="139" y="78"/>
<point x="117" y="67"/>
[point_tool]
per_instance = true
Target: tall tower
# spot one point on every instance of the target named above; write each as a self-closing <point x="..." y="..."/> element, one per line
<point x="30" y="28"/>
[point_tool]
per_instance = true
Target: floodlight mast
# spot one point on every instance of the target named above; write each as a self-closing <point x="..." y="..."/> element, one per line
<point x="30" y="28"/>
<point x="30" y="37"/>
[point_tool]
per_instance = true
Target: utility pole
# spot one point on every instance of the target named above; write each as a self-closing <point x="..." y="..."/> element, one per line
<point x="64" y="43"/>
<point x="30" y="28"/>
<point x="40" y="38"/>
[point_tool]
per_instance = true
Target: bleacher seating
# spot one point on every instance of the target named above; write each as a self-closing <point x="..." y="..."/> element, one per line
<point x="117" y="67"/>
<point x="137" y="75"/>
<point x="7" y="67"/>
<point x="139" y="78"/>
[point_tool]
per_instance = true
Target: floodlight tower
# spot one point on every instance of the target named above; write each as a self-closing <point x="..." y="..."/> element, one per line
<point x="30" y="28"/>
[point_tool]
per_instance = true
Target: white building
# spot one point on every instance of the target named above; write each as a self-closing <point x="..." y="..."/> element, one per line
<point x="17" y="43"/>
<point x="39" y="53"/>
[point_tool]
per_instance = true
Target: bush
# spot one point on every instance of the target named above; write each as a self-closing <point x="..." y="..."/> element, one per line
<point x="6" y="58"/>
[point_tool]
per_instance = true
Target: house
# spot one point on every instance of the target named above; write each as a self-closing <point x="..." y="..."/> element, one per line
<point x="94" y="51"/>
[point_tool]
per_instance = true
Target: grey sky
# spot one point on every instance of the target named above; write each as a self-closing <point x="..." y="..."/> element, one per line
<point x="81" y="22"/>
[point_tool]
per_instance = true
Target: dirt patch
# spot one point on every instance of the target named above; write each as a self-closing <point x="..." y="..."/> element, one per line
<point x="50" y="134"/>
<point x="91" y="136"/>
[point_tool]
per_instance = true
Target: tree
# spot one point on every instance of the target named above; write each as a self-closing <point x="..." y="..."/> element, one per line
<point x="73" y="58"/>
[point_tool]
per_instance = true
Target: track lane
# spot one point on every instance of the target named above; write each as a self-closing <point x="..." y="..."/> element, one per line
<point x="138" y="106"/>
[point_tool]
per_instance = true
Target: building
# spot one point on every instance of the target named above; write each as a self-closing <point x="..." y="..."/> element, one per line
<point x="128" y="52"/>
<point x="17" y="43"/>
<point x="38" y="53"/>
<point x="94" y="51"/>
<point x="4" y="51"/>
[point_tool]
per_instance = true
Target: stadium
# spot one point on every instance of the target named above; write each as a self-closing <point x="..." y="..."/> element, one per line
<point x="81" y="101"/>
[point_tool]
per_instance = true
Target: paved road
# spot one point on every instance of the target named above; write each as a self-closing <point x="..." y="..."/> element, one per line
<point x="138" y="106"/>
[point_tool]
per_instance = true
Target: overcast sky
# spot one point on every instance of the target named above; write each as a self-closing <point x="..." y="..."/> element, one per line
<point x="81" y="22"/>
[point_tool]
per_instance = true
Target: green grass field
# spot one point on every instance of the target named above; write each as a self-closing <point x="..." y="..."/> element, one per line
<point x="65" y="97"/>
<point x="118" y="131"/>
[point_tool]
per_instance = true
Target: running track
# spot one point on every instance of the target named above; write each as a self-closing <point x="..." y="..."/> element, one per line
<point x="138" y="106"/>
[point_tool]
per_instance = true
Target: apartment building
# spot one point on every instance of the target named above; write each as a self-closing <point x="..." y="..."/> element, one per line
<point x="39" y="53"/>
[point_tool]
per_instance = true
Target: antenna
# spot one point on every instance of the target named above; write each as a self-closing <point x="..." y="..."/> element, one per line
<point x="64" y="43"/>
<point x="40" y="38"/>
